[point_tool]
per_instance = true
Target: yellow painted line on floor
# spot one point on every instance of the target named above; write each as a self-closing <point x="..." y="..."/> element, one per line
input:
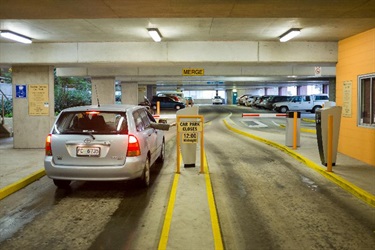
<point x="168" y="216"/>
<point x="218" y="240"/>
<point x="8" y="190"/>
<point x="344" y="184"/>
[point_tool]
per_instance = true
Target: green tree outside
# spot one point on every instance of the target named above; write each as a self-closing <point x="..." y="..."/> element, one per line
<point x="69" y="92"/>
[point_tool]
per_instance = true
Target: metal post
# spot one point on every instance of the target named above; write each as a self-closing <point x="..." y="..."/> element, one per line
<point x="178" y="147"/>
<point x="2" y="110"/>
<point x="202" y="147"/>
<point x="329" y="143"/>
<point x="295" y="130"/>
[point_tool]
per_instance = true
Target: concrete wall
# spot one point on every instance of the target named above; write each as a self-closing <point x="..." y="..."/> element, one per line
<point x="356" y="57"/>
<point x="30" y="130"/>
<point x="167" y="52"/>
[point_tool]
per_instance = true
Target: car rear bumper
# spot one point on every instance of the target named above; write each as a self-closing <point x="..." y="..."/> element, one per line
<point x="131" y="170"/>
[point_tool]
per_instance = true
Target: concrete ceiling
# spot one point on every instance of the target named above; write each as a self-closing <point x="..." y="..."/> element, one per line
<point x="47" y="21"/>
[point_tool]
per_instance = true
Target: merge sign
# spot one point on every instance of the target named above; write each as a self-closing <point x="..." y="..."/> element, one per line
<point x="190" y="131"/>
<point x="192" y="72"/>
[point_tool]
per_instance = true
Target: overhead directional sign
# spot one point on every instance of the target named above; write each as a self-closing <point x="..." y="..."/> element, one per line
<point x="193" y="72"/>
<point x="215" y="82"/>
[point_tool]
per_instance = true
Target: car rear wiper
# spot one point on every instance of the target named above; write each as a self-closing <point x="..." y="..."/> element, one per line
<point x="86" y="132"/>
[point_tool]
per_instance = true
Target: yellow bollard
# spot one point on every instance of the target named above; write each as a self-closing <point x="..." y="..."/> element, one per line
<point x="158" y="108"/>
<point x="295" y="130"/>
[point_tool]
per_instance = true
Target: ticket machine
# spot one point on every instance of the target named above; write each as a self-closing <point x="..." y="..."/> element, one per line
<point x="321" y="119"/>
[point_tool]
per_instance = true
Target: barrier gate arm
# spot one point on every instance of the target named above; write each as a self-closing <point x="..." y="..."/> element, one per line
<point x="179" y="117"/>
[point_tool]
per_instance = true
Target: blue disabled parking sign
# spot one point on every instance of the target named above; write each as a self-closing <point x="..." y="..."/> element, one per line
<point x="21" y="91"/>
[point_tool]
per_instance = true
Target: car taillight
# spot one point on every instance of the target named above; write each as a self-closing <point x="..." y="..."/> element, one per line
<point x="48" y="145"/>
<point x="133" y="146"/>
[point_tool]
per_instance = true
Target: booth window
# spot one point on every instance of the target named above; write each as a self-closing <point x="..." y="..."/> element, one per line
<point x="366" y="91"/>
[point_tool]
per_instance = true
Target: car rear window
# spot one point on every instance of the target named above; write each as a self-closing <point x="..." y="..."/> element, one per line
<point x="91" y="122"/>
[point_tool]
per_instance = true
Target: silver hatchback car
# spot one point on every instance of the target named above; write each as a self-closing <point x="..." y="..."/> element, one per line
<point x="103" y="143"/>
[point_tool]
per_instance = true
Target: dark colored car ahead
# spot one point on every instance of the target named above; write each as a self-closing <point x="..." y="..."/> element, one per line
<point x="166" y="102"/>
<point x="277" y="98"/>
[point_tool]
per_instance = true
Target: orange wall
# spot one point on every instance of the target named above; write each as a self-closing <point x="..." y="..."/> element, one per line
<point x="356" y="56"/>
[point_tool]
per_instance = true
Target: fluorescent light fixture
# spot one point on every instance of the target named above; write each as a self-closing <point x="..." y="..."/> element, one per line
<point x="155" y="34"/>
<point x="14" y="36"/>
<point x="289" y="34"/>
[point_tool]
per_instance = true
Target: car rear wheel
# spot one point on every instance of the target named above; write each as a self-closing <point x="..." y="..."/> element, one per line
<point x="283" y="109"/>
<point x="315" y="109"/>
<point x="61" y="183"/>
<point x="177" y="107"/>
<point x="145" y="179"/>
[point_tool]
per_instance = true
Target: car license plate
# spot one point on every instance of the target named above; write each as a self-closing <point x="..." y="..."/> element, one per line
<point x="88" y="151"/>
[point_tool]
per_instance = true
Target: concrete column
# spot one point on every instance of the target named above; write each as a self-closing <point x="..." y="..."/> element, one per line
<point x="142" y="92"/>
<point x="299" y="90"/>
<point x="129" y="93"/>
<point x="33" y="115"/>
<point x="331" y="90"/>
<point x="103" y="88"/>
<point x="151" y="91"/>
<point x="229" y="93"/>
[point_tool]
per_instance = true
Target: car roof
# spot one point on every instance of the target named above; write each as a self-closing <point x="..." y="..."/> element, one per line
<point x="104" y="107"/>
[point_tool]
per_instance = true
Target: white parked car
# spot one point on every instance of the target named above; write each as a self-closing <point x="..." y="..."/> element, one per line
<point x="217" y="100"/>
<point x="309" y="103"/>
<point x="103" y="143"/>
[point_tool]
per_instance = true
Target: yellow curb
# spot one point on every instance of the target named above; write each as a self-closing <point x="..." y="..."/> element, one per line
<point x="8" y="190"/>
<point x="306" y="130"/>
<point x="308" y="120"/>
<point x="344" y="184"/>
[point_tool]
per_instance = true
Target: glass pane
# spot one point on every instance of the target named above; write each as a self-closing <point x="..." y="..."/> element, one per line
<point x="365" y="101"/>
<point x="93" y="122"/>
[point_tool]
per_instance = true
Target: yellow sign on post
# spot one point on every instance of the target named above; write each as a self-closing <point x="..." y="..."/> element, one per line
<point x="189" y="126"/>
<point x="190" y="131"/>
<point x="190" y="137"/>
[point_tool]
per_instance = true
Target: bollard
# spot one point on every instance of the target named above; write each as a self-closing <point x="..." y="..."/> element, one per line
<point x="292" y="134"/>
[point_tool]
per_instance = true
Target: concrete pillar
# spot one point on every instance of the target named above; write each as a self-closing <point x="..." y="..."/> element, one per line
<point x="129" y="93"/>
<point x="33" y="110"/>
<point x="229" y="93"/>
<point x="332" y="90"/>
<point x="299" y="90"/>
<point x="103" y="88"/>
<point x="142" y="92"/>
<point x="151" y="91"/>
